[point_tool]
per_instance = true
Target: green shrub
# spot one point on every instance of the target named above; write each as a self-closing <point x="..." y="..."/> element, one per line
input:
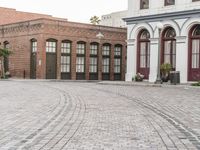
<point x="196" y="84"/>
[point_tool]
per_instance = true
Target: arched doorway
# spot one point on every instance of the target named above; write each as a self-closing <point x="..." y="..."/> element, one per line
<point x="168" y="54"/>
<point x="143" y="54"/>
<point x="194" y="53"/>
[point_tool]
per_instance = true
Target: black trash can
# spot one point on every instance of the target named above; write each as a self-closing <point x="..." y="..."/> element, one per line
<point x="175" y="77"/>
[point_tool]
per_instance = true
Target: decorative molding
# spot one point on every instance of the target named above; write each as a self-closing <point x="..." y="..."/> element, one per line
<point x="163" y="16"/>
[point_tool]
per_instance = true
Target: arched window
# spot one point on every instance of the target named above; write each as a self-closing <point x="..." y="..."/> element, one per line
<point x="93" y="61"/>
<point x="143" y="53"/>
<point x="169" y="47"/>
<point x="194" y="53"/>
<point x="66" y="59"/>
<point x="106" y="49"/>
<point x="80" y="60"/>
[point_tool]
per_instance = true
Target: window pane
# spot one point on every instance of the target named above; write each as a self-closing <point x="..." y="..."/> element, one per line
<point x="66" y="47"/>
<point x="80" y="64"/>
<point x="80" y="48"/>
<point x="144" y="4"/>
<point x="195" y="53"/>
<point x="50" y="47"/>
<point x="118" y="51"/>
<point x="34" y="46"/>
<point x="117" y="65"/>
<point x="93" y="49"/>
<point x="169" y="2"/>
<point x="93" y="65"/>
<point x="142" y="61"/>
<point x="65" y="63"/>
<point x="105" y="65"/>
<point x="106" y="50"/>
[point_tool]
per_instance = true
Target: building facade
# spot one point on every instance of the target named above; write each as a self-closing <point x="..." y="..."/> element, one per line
<point x="114" y="19"/>
<point x="50" y="48"/>
<point x="179" y="38"/>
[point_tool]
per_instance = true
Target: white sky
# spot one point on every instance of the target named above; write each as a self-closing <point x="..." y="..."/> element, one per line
<point x="73" y="10"/>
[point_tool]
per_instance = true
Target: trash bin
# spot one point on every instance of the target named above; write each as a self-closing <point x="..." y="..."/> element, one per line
<point x="175" y="77"/>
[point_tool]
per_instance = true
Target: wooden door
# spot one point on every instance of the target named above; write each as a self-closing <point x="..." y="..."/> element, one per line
<point x="51" y="65"/>
<point x="33" y="66"/>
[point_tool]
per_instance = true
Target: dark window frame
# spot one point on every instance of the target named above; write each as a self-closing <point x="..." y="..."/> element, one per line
<point x="142" y="5"/>
<point x="66" y="54"/>
<point x="168" y="4"/>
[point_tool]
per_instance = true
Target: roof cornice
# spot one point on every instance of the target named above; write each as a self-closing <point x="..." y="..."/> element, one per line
<point x="163" y="16"/>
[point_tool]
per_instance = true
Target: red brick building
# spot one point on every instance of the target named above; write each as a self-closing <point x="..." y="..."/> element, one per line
<point x="45" y="47"/>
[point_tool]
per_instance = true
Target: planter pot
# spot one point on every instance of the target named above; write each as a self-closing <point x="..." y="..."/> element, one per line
<point x="165" y="78"/>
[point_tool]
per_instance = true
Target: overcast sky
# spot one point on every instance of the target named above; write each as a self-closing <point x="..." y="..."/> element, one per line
<point x="73" y="10"/>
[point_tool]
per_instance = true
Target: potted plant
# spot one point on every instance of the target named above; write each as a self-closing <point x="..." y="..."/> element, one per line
<point x="139" y="77"/>
<point x="165" y="71"/>
<point x="3" y="54"/>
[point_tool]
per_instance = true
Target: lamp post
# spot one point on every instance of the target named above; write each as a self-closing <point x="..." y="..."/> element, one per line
<point x="160" y="27"/>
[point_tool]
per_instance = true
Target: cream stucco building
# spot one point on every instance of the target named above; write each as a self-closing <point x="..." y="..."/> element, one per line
<point x="179" y="37"/>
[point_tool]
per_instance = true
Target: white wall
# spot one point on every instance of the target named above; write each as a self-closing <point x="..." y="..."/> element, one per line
<point x="157" y="7"/>
<point x="114" y="19"/>
<point x="181" y="26"/>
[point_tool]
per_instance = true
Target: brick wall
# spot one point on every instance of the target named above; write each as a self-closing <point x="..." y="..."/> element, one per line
<point x="19" y="36"/>
<point x="9" y="15"/>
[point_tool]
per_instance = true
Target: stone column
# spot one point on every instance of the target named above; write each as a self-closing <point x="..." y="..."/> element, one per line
<point x="131" y="59"/>
<point x="153" y="59"/>
<point x="182" y="58"/>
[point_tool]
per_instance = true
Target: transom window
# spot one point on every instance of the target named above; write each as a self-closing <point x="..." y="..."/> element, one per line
<point x="106" y="50"/>
<point x="51" y="46"/>
<point x="169" y="2"/>
<point x="93" y="49"/>
<point x="144" y="4"/>
<point x="80" y="48"/>
<point x="34" y="46"/>
<point x="118" y="50"/>
<point x="66" y="47"/>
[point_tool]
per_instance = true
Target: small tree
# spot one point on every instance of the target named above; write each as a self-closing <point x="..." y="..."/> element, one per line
<point x="4" y="53"/>
<point x="95" y="20"/>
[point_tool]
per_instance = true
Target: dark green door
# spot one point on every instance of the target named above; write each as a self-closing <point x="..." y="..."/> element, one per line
<point x="33" y="65"/>
<point x="50" y="65"/>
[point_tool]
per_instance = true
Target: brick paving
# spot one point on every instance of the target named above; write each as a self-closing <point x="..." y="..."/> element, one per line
<point x="39" y="115"/>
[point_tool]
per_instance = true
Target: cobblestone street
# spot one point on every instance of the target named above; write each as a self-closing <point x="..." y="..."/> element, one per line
<point x="45" y="115"/>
